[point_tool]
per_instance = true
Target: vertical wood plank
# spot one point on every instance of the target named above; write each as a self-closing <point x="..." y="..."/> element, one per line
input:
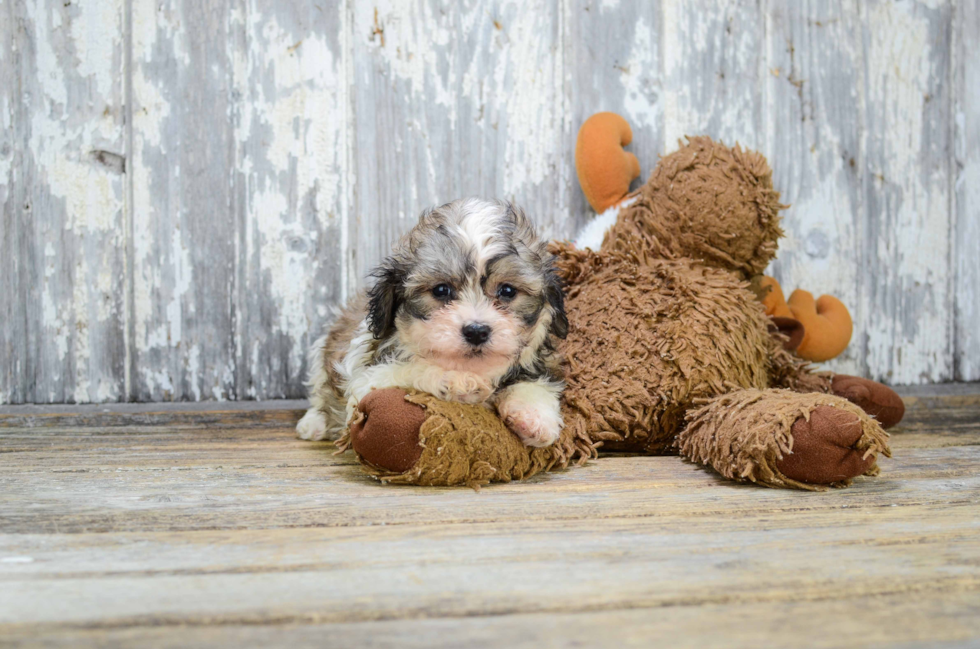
<point x="405" y="112"/>
<point x="292" y="135"/>
<point x="450" y="100"/>
<point x="184" y="203"/>
<point x="906" y="262"/>
<point x="508" y="119"/>
<point x="714" y="59"/>
<point x="62" y="193"/>
<point x="966" y="117"/>
<point x="613" y="63"/>
<point x="813" y="94"/>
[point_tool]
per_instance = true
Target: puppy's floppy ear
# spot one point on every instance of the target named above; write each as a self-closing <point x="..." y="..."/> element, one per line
<point x="523" y="228"/>
<point x="554" y="292"/>
<point x="384" y="298"/>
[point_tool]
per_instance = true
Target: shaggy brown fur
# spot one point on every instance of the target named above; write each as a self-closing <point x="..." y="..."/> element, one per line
<point x="706" y="202"/>
<point x="744" y="434"/>
<point x="648" y="338"/>
<point x="338" y="341"/>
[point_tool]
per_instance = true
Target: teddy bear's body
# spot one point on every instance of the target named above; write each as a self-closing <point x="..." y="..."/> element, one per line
<point x="647" y="338"/>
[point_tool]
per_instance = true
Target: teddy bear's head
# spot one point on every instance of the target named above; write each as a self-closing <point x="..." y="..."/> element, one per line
<point x="706" y="202"/>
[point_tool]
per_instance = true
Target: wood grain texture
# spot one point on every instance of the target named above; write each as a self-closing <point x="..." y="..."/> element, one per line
<point x="722" y="44"/>
<point x="188" y="189"/>
<point x="455" y="99"/>
<point x="293" y="134"/>
<point x="814" y="93"/>
<point x="906" y="162"/>
<point x="966" y="118"/>
<point x="184" y="218"/>
<point x="62" y="250"/>
<point x="948" y="620"/>
<point x="197" y="533"/>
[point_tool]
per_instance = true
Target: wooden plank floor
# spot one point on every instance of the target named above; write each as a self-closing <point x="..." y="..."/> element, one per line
<point x="137" y="526"/>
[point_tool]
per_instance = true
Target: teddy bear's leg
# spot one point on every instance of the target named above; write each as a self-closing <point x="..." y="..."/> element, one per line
<point x="876" y="399"/>
<point x="781" y="438"/>
<point x="793" y="373"/>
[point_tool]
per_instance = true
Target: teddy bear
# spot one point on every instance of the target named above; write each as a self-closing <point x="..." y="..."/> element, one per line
<point x="669" y="348"/>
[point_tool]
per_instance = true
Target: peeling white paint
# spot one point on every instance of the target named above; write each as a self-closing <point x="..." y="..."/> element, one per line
<point x="968" y="269"/>
<point x="412" y="45"/>
<point x="713" y="61"/>
<point x="636" y="77"/>
<point x="304" y="152"/>
<point x="70" y="56"/>
<point x="82" y="352"/>
<point x="533" y="125"/>
<point x="966" y="193"/>
<point x="95" y="42"/>
<point x="911" y="341"/>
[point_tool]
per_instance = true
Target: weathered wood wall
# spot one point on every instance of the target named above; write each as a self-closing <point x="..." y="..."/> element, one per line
<point x="187" y="186"/>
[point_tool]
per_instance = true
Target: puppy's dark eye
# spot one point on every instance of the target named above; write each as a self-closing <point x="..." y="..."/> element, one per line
<point x="442" y="292"/>
<point x="506" y="292"/>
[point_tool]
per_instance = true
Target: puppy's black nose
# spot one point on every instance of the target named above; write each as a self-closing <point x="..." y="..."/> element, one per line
<point x="477" y="333"/>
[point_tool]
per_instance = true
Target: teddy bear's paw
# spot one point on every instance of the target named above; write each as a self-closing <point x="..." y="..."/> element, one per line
<point x="313" y="426"/>
<point x="386" y="434"/>
<point x="825" y="448"/>
<point x="876" y="399"/>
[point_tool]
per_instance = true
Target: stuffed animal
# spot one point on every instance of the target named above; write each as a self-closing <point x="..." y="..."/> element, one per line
<point x="669" y="349"/>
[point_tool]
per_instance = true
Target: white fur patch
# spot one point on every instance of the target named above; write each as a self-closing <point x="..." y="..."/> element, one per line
<point x="313" y="426"/>
<point x="480" y="225"/>
<point x="532" y="411"/>
<point x="594" y="232"/>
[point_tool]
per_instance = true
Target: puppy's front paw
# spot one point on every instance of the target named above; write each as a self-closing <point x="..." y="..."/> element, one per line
<point x="464" y="388"/>
<point x="535" y="427"/>
<point x="313" y="426"/>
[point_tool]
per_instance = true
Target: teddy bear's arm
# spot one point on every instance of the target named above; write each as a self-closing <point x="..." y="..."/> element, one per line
<point x="790" y="372"/>
<point x="415" y="438"/>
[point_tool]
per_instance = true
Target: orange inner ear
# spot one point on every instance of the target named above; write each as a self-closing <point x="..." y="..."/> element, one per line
<point x="827" y="322"/>
<point x="604" y="169"/>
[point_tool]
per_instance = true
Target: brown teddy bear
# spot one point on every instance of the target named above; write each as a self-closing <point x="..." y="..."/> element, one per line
<point x="669" y="348"/>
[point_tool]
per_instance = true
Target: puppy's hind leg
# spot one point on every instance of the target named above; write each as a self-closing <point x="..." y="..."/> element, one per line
<point x="325" y="418"/>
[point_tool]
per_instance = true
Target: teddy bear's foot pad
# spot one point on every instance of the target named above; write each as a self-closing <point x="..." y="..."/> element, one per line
<point x="385" y="432"/>
<point x="824" y="448"/>
<point x="879" y="401"/>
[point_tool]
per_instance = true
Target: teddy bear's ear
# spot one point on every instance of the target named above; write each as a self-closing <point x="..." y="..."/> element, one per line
<point x="604" y="169"/>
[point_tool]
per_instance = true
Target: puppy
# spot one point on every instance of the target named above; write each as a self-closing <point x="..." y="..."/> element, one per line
<point x="467" y="308"/>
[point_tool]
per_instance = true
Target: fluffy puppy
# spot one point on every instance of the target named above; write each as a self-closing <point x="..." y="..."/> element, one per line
<point x="466" y="308"/>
